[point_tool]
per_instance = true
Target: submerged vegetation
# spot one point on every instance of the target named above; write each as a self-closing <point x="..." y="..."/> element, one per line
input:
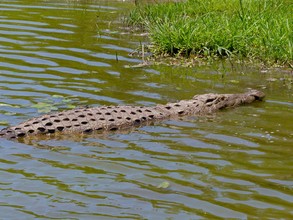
<point x="250" y="29"/>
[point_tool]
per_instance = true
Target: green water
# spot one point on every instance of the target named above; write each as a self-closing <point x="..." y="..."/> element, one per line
<point x="236" y="164"/>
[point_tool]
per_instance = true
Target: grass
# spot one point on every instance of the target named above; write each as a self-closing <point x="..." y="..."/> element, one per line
<point x="253" y="29"/>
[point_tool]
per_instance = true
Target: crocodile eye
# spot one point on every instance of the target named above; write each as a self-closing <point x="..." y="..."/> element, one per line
<point x="210" y="100"/>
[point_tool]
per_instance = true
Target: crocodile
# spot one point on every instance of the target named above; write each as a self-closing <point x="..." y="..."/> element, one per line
<point x="112" y="118"/>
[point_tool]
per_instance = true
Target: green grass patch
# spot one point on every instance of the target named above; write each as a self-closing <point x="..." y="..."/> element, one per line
<point x="253" y="29"/>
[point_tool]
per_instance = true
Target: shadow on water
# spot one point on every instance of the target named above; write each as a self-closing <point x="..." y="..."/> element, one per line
<point x="62" y="54"/>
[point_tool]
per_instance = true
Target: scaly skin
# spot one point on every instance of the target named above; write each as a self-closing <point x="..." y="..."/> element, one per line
<point x="111" y="118"/>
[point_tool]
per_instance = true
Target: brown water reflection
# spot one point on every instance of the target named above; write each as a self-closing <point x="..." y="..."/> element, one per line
<point x="236" y="164"/>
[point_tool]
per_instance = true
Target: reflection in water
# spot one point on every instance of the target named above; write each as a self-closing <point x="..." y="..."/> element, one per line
<point x="236" y="164"/>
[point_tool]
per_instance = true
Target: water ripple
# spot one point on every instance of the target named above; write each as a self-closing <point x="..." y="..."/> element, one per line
<point x="235" y="164"/>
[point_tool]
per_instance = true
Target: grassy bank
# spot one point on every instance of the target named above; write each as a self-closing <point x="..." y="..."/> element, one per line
<point x="253" y="29"/>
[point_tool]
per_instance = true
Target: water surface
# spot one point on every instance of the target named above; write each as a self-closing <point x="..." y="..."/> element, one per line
<point x="62" y="54"/>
